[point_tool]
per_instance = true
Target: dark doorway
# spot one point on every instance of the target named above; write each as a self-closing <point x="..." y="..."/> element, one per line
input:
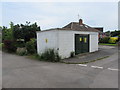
<point x="81" y="43"/>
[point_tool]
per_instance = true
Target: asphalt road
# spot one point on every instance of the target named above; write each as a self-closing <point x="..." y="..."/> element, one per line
<point x="21" y="72"/>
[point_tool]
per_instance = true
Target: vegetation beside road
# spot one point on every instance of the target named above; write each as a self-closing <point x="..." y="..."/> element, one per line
<point x="87" y="61"/>
<point x="21" y="40"/>
<point x="49" y="55"/>
<point x="109" y="44"/>
<point x="111" y="38"/>
<point x="18" y="37"/>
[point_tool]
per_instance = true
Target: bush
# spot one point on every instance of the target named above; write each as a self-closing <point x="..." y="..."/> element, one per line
<point x="1" y="46"/>
<point x="31" y="46"/>
<point x="50" y="55"/>
<point x="72" y="54"/>
<point x="104" y="40"/>
<point x="21" y="51"/>
<point x="113" y="39"/>
<point x="10" y="45"/>
<point x="20" y="44"/>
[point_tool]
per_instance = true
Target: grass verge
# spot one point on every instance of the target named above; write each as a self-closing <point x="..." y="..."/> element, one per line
<point x="108" y="44"/>
<point x="86" y="61"/>
<point x="34" y="56"/>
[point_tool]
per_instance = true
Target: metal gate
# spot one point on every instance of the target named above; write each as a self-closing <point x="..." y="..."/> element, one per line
<point x="81" y="43"/>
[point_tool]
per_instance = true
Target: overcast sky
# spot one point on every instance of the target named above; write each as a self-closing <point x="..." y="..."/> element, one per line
<point x="58" y="14"/>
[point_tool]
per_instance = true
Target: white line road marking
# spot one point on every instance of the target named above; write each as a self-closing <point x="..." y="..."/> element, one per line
<point x="82" y="65"/>
<point x="85" y="65"/>
<point x="97" y="67"/>
<point x="112" y="69"/>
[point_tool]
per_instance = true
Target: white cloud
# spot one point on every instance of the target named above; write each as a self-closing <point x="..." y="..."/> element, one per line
<point x="52" y="15"/>
<point x="59" y="0"/>
<point x="48" y="22"/>
<point x="1" y="14"/>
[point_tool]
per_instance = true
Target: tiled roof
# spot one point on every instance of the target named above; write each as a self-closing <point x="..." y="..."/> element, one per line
<point x="74" y="26"/>
<point x="83" y="27"/>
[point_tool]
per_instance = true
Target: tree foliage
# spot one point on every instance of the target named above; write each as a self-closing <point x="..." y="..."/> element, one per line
<point x="12" y="36"/>
<point x="115" y="33"/>
<point x="7" y="33"/>
<point x="26" y="31"/>
<point x="104" y="40"/>
<point x="31" y="46"/>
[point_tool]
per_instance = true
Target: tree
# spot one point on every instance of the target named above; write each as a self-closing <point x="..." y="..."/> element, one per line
<point x="108" y="33"/>
<point x="0" y="34"/>
<point x="7" y="34"/>
<point x="0" y="29"/>
<point x="115" y="33"/>
<point x="26" y="31"/>
<point x="8" y="39"/>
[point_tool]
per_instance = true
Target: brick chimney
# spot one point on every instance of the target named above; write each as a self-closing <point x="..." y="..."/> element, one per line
<point x="80" y="22"/>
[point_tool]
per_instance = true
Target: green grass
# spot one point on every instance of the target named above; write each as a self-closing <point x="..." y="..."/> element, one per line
<point x="87" y="61"/>
<point x="34" y="56"/>
<point x="108" y="44"/>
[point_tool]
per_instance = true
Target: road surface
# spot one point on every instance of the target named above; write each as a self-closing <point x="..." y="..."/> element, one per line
<point x="21" y="72"/>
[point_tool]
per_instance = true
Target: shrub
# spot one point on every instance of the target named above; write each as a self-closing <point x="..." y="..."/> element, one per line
<point x="1" y="46"/>
<point x="36" y="56"/>
<point x="50" y="55"/>
<point x="21" y="51"/>
<point x="10" y="45"/>
<point x="72" y="54"/>
<point x="20" y="43"/>
<point x="104" y="40"/>
<point x="31" y="46"/>
<point x="113" y="39"/>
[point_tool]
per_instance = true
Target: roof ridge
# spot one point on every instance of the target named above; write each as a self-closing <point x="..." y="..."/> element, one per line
<point x="74" y="22"/>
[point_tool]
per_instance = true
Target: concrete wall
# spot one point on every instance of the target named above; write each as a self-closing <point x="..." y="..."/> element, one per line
<point x="93" y="42"/>
<point x="67" y="42"/>
<point x="51" y="37"/>
<point x="63" y="41"/>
